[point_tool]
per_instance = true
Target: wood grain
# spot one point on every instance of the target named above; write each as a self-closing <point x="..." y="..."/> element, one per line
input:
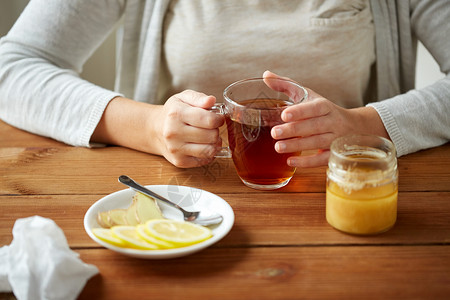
<point x="274" y="219"/>
<point x="277" y="273"/>
<point x="70" y="170"/>
<point x="13" y="137"/>
<point x="280" y="247"/>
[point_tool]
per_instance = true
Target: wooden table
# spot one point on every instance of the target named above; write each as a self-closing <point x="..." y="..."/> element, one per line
<point x="280" y="246"/>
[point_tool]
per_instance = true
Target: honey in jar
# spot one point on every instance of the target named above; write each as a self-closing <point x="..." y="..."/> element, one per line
<point x="362" y="185"/>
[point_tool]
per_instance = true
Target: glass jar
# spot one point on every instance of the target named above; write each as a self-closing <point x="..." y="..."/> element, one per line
<point x="362" y="185"/>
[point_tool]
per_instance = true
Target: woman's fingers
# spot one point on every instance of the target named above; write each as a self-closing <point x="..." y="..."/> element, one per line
<point x="192" y="110"/>
<point x="311" y="125"/>
<point x="320" y="141"/>
<point x="196" y="99"/>
<point x="189" y="155"/>
<point x="190" y="132"/>
<point x="201" y="118"/>
<point x="310" y="109"/>
<point x="283" y="86"/>
<point x="310" y="161"/>
<point x="306" y="119"/>
<point x="303" y="128"/>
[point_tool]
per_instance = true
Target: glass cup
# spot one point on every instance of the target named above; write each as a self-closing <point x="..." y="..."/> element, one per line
<point x="251" y="108"/>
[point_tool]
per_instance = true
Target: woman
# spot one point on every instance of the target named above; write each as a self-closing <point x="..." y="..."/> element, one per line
<point x="176" y="56"/>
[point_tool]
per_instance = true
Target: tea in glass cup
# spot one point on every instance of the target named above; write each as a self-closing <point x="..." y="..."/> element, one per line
<point x="251" y="108"/>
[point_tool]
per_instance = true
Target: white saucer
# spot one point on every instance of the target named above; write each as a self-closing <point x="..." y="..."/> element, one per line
<point x="187" y="197"/>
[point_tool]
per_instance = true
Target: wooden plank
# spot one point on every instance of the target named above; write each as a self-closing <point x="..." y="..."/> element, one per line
<point x="427" y="170"/>
<point x="96" y="171"/>
<point x="269" y="219"/>
<point x="70" y="170"/>
<point x="280" y="246"/>
<point x="14" y="137"/>
<point x="406" y="272"/>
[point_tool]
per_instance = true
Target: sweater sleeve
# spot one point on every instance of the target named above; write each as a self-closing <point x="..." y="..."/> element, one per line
<point x="420" y="119"/>
<point x="40" y="61"/>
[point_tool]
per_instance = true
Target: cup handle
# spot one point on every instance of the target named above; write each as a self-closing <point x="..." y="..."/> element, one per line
<point x="224" y="152"/>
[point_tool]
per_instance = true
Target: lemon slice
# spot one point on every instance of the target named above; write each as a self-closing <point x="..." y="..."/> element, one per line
<point x="178" y="233"/>
<point x="107" y="236"/>
<point x="131" y="239"/>
<point x="142" y="232"/>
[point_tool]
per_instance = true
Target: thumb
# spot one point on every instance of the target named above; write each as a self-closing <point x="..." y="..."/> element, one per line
<point x="269" y="74"/>
<point x="197" y="99"/>
<point x="285" y="85"/>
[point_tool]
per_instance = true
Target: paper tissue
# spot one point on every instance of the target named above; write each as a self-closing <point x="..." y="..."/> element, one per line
<point x="39" y="264"/>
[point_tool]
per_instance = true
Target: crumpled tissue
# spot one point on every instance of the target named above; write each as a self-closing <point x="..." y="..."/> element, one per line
<point x="38" y="264"/>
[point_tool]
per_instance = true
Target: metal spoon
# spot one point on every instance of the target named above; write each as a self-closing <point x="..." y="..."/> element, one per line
<point x="198" y="217"/>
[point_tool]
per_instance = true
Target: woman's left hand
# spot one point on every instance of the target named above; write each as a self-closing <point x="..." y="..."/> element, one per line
<point x="315" y="123"/>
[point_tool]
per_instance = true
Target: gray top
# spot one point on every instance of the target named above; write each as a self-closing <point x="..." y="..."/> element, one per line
<point x="42" y="55"/>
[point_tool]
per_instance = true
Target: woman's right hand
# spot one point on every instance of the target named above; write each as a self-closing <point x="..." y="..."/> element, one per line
<point x="182" y="130"/>
<point x="189" y="133"/>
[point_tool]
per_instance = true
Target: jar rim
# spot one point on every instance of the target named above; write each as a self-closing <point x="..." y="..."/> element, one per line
<point x="362" y="160"/>
<point x="380" y="148"/>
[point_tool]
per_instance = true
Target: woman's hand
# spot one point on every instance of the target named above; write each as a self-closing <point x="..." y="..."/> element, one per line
<point x="189" y="133"/>
<point x="315" y="123"/>
<point x="182" y="130"/>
